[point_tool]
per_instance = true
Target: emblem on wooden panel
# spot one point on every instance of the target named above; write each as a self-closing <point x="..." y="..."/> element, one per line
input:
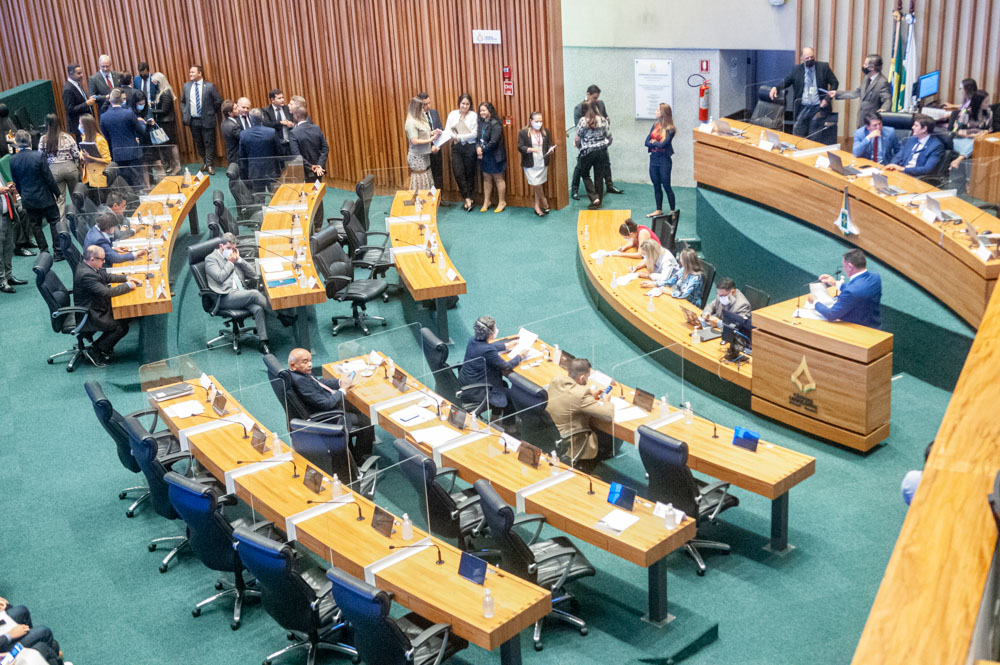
<point x="804" y="383"/>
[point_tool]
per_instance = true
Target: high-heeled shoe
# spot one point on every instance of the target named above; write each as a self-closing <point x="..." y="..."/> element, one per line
<point x="501" y="207"/>
<point x="539" y="214"/>
<point x="486" y="206"/>
<point x="654" y="214"/>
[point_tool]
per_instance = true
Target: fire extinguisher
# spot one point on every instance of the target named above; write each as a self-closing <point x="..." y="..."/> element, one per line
<point x="703" y="101"/>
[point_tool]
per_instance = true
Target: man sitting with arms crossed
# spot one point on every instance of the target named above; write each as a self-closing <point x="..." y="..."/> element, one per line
<point x="102" y="233"/>
<point x="861" y="296"/>
<point x="227" y="275"/>
<point x="92" y="290"/>
<point x="875" y="142"/>
<point x="319" y="394"/>
<point x="727" y="299"/>
<point x="572" y="406"/>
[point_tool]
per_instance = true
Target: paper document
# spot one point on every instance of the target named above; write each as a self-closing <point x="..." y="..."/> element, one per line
<point x="627" y="277"/>
<point x="600" y="254"/>
<point x="451" y="275"/>
<point x="435" y="436"/>
<point x="868" y="171"/>
<point x="803" y="313"/>
<point x="984" y="252"/>
<point x="288" y="207"/>
<point x="618" y="520"/>
<point x="600" y="378"/>
<point x="271" y="264"/>
<point x="278" y="274"/>
<point x="655" y="291"/>
<point x="413" y="415"/>
<point x="442" y="139"/>
<point x="993" y="139"/>
<point x="162" y="198"/>
<point x="818" y="291"/>
<point x="352" y="366"/>
<point x="185" y="409"/>
<point x="525" y="339"/>
<point x="138" y="243"/>
<point x="629" y="413"/>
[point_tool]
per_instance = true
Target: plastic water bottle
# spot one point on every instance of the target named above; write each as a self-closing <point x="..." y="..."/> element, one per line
<point x="556" y="354"/>
<point x="664" y="404"/>
<point x="650" y="307"/>
<point x="407" y="527"/>
<point x="275" y="444"/>
<point x="670" y="517"/>
<point x="154" y="256"/>
<point x="614" y="280"/>
<point x="688" y="413"/>
<point x="695" y="337"/>
<point x="487" y="604"/>
<point x="301" y="276"/>
<point x="296" y="223"/>
<point x="187" y="176"/>
<point x="554" y="462"/>
<point x="586" y="231"/>
<point x="338" y="487"/>
<point x="163" y="288"/>
<point x="149" y="288"/>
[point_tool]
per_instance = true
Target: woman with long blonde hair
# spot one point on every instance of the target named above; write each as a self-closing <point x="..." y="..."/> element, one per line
<point x="421" y="137"/>
<point x="661" y="150"/>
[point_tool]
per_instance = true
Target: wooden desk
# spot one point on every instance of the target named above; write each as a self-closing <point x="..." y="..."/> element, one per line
<point x="893" y="232"/>
<point x="151" y="310"/>
<point x="423" y="277"/>
<point x="435" y="592"/>
<point x="279" y="238"/>
<point x="984" y="182"/>
<point x="770" y="472"/>
<point x="567" y="506"/>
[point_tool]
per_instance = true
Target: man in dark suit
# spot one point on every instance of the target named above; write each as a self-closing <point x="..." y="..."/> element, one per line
<point x="860" y="298"/>
<point x="124" y="132"/>
<point x="230" y="131"/>
<point x="922" y="153"/>
<point x="242" y="112"/>
<point x="102" y="83"/>
<point x="875" y="142"/>
<point x="258" y="153"/>
<point x="308" y="142"/>
<point x="437" y="159"/>
<point x="594" y="97"/>
<point x="145" y="83"/>
<point x="874" y="91"/>
<point x="278" y="117"/>
<point x="75" y="100"/>
<point x="92" y="290"/>
<point x="8" y="230"/>
<point x="318" y="395"/>
<point x="29" y="169"/>
<point x="814" y="85"/>
<point x="102" y="233"/>
<point x="201" y="104"/>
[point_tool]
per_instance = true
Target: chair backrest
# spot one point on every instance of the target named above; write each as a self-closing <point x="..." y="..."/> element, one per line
<point x="209" y="532"/>
<point x="365" y="191"/>
<point x="529" y="402"/>
<point x="241" y="193"/>
<point x="55" y="295"/>
<point x="286" y="596"/>
<point x="79" y="197"/>
<point x="64" y="243"/>
<point x="226" y="221"/>
<point x="768" y="113"/>
<point x="366" y="609"/>
<point x="665" y="461"/>
<point x="357" y="235"/>
<point x="214" y="228"/>
<point x="324" y="445"/>
<point x="707" y="281"/>
<point x="332" y="262"/>
<point x="294" y="406"/>
<point x="421" y="471"/>
<point x="277" y="384"/>
<point x="756" y="297"/>
<point x="113" y="423"/>
<point x="196" y="261"/>
<point x="446" y="382"/>
<point x="514" y="552"/>
<point x="898" y="120"/>
<point x="145" y="450"/>
<point x="665" y="228"/>
<point x="21" y="118"/>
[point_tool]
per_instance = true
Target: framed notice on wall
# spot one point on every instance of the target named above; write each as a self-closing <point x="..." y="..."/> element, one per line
<point x="654" y="84"/>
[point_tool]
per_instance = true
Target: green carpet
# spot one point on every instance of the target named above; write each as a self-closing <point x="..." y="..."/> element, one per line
<point x="84" y="569"/>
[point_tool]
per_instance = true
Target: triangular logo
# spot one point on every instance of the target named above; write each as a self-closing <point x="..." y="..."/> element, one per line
<point x="802" y="379"/>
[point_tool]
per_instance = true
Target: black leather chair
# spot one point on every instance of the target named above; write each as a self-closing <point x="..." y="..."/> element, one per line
<point x="707" y="282"/>
<point x="65" y="318"/>
<point x="374" y="257"/>
<point x="226" y="220"/>
<point x="365" y="189"/>
<point x="671" y="481"/>
<point x="940" y="177"/>
<point x="65" y="245"/>
<point x="900" y="121"/>
<point x="325" y="445"/>
<point x="382" y="640"/>
<point x="551" y="564"/>
<point x="248" y="204"/>
<point x="756" y="297"/>
<point x="446" y="381"/>
<point x="210" y="533"/>
<point x="337" y="271"/>
<point x="536" y="425"/>
<point x="299" y="602"/>
<point x="281" y="384"/>
<point x="767" y="112"/>
<point x="114" y="424"/>
<point x="233" y="319"/>
<point x="665" y="228"/>
<point x="247" y="245"/>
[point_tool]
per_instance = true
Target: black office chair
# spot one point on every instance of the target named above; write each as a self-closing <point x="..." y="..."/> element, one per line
<point x="365" y="189"/>
<point x="246" y="244"/>
<point x="82" y="203"/>
<point x="756" y="297"/>
<point x="64" y="244"/>
<point x="670" y="481"/>
<point x="707" y="281"/>
<point x="226" y="220"/>
<point x="536" y="425"/>
<point x="325" y="445"/>
<point x="78" y="226"/>
<point x="665" y="228"/>
<point x="281" y="384"/>
<point x="551" y="564"/>
<point x="210" y="533"/>
<point x="940" y="177"/>
<point x="900" y="121"/>
<point x="299" y="602"/>
<point x="382" y="640"/>
<point x="446" y="381"/>
<point x="449" y="514"/>
<point x="233" y="319"/>
<point x="337" y="271"/>
<point x="248" y="204"/>
<point x="146" y="451"/>
<point x="374" y="257"/>
<point x="65" y="318"/>
<point x="767" y="112"/>
<point x="114" y="424"/>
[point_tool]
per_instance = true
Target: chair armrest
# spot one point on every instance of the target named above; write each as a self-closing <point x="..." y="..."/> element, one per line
<point x="63" y="311"/>
<point x="248" y="223"/>
<point x="141" y="413"/>
<point x="366" y="466"/>
<point x="447" y="471"/>
<point x="528" y="518"/>
<point x="465" y="505"/>
<point x="713" y="487"/>
<point x="325" y="416"/>
<point x="364" y="247"/>
<point x="169" y="460"/>
<point x="566" y="553"/>
<point x="428" y="633"/>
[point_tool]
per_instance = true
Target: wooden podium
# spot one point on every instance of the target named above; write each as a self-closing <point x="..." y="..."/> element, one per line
<point x="831" y="379"/>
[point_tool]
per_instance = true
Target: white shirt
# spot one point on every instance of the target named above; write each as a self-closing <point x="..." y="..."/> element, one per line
<point x="921" y="144"/>
<point x="77" y="86"/>
<point x="471" y="121"/>
<point x="200" y="94"/>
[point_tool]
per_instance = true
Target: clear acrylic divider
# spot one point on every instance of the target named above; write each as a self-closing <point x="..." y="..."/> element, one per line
<point x="402" y="344"/>
<point x="643" y="383"/>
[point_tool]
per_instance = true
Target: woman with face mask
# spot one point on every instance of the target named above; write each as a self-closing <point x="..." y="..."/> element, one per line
<point x="463" y="123"/>
<point x="535" y="145"/>
<point x="162" y="107"/>
<point x="150" y="154"/>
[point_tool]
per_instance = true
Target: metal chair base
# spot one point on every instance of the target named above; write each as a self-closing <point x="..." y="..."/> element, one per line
<point x="562" y="615"/>
<point x="305" y="642"/>
<point x="75" y="354"/>
<point x="232" y="338"/>
<point x="230" y="589"/>
<point x="173" y="553"/>
<point x="358" y="320"/>
<point x="692" y="547"/>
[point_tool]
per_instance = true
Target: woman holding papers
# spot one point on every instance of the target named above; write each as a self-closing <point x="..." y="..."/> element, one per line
<point x="483" y="367"/>
<point x="421" y="137"/>
<point x="535" y="145"/>
<point x="661" y="150"/>
<point x="93" y="165"/>
<point x="463" y="124"/>
<point x="492" y="156"/>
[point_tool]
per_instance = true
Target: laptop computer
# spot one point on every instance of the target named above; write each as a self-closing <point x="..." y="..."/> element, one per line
<point x="943" y="215"/>
<point x="704" y="334"/>
<point x="644" y="400"/>
<point x="722" y="128"/>
<point x="776" y="141"/>
<point x="881" y="184"/>
<point x="837" y="165"/>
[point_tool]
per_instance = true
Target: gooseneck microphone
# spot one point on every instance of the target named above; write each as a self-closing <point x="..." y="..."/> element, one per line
<point x="427" y="250"/>
<point x="246" y="434"/>
<point x="358" y="505"/>
<point x="295" y="468"/>
<point x="440" y="560"/>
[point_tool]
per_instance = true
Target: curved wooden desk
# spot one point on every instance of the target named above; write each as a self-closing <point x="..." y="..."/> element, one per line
<point x="937" y="256"/>
<point x="984" y="181"/>
<point x="425" y="278"/>
<point x="433" y="591"/>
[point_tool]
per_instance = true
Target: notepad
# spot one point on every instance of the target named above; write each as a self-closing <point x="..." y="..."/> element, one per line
<point x="185" y="409"/>
<point x="435" y="436"/>
<point x="288" y="281"/>
<point x="271" y="264"/>
<point x="278" y="274"/>
<point x="617" y="521"/>
<point x="804" y="313"/>
<point x="413" y="415"/>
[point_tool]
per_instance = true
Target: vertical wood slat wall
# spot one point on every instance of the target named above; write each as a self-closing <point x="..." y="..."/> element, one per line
<point x="959" y="37"/>
<point x="357" y="63"/>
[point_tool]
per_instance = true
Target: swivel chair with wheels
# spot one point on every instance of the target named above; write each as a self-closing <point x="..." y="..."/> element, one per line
<point x="233" y="319"/>
<point x="65" y="318"/>
<point x="365" y="189"/>
<point x="707" y="281"/>
<point x="65" y="246"/>
<point x="446" y="381"/>
<point x="767" y="112"/>
<point x="337" y="271"/>
<point x="374" y="257"/>
<point x="756" y="297"/>
<point x="325" y="445"/>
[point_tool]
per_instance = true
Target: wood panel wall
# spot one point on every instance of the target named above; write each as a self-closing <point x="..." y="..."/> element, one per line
<point x="357" y="63"/>
<point x="959" y="37"/>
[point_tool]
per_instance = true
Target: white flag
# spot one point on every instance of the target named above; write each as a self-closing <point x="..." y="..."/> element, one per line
<point x="910" y="67"/>
<point x="843" y="221"/>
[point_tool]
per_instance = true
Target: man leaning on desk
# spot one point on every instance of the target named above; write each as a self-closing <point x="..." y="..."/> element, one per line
<point x="92" y="291"/>
<point x="727" y="299"/>
<point x="103" y="233"/>
<point x="572" y="405"/>
<point x="860" y="297"/>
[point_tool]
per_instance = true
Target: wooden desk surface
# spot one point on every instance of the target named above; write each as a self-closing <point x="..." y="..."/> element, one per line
<point x="423" y="279"/>
<point x="566" y="506"/>
<point x="135" y="303"/>
<point x="291" y="295"/>
<point x="435" y="592"/>
<point x="984" y="181"/>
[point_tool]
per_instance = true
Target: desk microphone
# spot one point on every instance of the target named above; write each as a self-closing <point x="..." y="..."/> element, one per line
<point x="798" y="298"/>
<point x="440" y="560"/>
<point x="715" y="430"/>
<point x="293" y="258"/>
<point x="590" y="479"/>
<point x="809" y="136"/>
<point x="295" y="468"/>
<point x="227" y="420"/>
<point x="427" y="250"/>
<point x="360" y="516"/>
<point x="171" y="182"/>
<point x="430" y="396"/>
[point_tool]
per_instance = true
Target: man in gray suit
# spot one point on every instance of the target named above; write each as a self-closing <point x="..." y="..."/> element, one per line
<point x="227" y="275"/>
<point x="874" y="92"/>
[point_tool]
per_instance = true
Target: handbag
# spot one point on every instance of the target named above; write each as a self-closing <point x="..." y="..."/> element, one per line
<point x="158" y="136"/>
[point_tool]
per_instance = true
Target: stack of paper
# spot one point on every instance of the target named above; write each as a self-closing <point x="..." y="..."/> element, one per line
<point x="808" y="313"/>
<point x="627" y="277"/>
<point x="819" y="292"/>
<point x="139" y="241"/>
<point x="525" y="339"/>
<point x="435" y="436"/>
<point x="625" y="411"/>
<point x="600" y="254"/>
<point x="271" y="264"/>
<point x="412" y="415"/>
<point x="351" y="366"/>
<point x="600" y="378"/>
<point x="185" y="409"/>
<point x="617" y="521"/>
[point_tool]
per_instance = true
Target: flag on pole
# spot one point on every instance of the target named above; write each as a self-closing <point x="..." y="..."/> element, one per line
<point x="843" y="221"/>
<point x="896" y="69"/>
<point x="910" y="67"/>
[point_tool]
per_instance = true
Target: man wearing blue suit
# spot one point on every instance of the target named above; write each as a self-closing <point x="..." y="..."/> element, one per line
<point x="861" y="296"/>
<point x="102" y="233"/>
<point x="875" y="142"/>
<point x="259" y="152"/>
<point x="145" y="83"/>
<point x="922" y="152"/>
<point x="123" y="131"/>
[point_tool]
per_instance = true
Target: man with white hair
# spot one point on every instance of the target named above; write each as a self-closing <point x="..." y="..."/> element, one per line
<point x="103" y="82"/>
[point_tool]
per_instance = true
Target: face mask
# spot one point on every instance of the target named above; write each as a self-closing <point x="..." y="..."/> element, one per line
<point x="810" y="63"/>
<point x="725" y="300"/>
<point x="139" y="107"/>
<point x="536" y="125"/>
<point x="865" y="71"/>
<point x="80" y="129"/>
<point x="226" y="253"/>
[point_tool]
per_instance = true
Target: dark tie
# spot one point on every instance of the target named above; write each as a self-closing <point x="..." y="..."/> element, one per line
<point x="107" y="80"/>
<point x="197" y="99"/>
<point x="875" y="155"/>
<point x="245" y="121"/>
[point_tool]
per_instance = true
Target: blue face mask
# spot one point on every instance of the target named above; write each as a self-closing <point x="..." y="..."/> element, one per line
<point x="139" y="107"/>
